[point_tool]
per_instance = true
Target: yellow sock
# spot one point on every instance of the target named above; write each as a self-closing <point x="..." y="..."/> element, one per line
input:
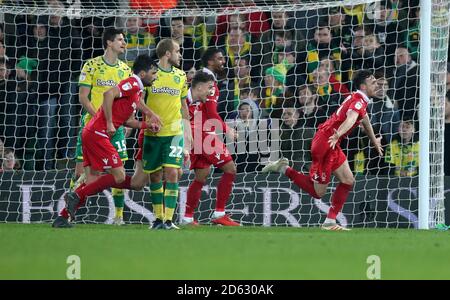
<point x="168" y="213"/>
<point x="158" y="210"/>
<point x="119" y="212"/>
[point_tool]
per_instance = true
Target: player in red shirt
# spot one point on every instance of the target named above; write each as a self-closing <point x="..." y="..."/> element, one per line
<point x="118" y="108"/>
<point x="207" y="149"/>
<point x="327" y="155"/>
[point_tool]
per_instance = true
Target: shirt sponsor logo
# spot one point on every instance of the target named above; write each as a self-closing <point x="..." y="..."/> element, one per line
<point x="101" y="82"/>
<point x="165" y="90"/>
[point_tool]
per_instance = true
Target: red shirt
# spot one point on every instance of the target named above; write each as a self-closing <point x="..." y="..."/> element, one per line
<point x="357" y="102"/>
<point x="207" y="109"/>
<point x="122" y="108"/>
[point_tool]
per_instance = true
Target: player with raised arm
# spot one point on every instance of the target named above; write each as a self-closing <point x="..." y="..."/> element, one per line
<point x="97" y="76"/>
<point x="118" y="108"/>
<point x="327" y="155"/>
<point x="164" y="151"/>
<point x="205" y="121"/>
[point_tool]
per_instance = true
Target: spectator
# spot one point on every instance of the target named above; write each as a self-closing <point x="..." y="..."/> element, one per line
<point x="387" y="29"/>
<point x="447" y="135"/>
<point x="405" y="83"/>
<point x="138" y="40"/>
<point x="310" y="115"/>
<point x="403" y="151"/>
<point x="322" y="46"/>
<point x="413" y="32"/>
<point x="200" y="31"/>
<point x="295" y="139"/>
<point x="242" y="79"/>
<point x="19" y="105"/>
<point x="274" y="81"/>
<point x="238" y="45"/>
<point x="340" y="31"/>
<point x="9" y="161"/>
<point x="329" y="99"/>
<point x="354" y="14"/>
<point x="190" y="53"/>
<point x="384" y="116"/>
<point x="373" y="54"/>
<point x="247" y="156"/>
<point x="279" y="24"/>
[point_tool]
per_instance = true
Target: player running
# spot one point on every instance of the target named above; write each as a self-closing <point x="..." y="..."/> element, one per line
<point x="327" y="155"/>
<point x="202" y="112"/>
<point x="118" y="108"/>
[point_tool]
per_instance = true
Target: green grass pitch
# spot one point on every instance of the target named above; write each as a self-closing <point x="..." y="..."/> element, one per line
<point x="37" y="251"/>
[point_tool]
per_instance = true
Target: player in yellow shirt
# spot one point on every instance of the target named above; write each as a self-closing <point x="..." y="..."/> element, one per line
<point x="98" y="75"/>
<point x="164" y="151"/>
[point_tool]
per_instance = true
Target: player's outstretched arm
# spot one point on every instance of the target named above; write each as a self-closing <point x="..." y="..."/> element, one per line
<point x="108" y="99"/>
<point x="369" y="130"/>
<point x="352" y="116"/>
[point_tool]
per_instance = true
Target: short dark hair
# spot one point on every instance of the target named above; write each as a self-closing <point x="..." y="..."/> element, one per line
<point x="208" y="55"/>
<point x="163" y="46"/>
<point x="176" y="19"/>
<point x="360" y="78"/>
<point x="201" y="77"/>
<point x="109" y="35"/>
<point x="143" y="63"/>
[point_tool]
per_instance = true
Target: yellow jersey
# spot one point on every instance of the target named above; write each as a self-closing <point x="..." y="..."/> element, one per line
<point x="405" y="158"/>
<point x="100" y="76"/>
<point x="164" y="99"/>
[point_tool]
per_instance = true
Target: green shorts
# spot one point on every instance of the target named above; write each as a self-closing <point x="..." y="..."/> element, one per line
<point x="118" y="141"/>
<point x="162" y="151"/>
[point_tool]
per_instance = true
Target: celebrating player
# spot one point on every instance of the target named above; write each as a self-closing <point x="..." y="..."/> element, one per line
<point x="203" y="111"/>
<point x="163" y="151"/>
<point x="327" y="154"/>
<point x="97" y="76"/>
<point x="118" y="108"/>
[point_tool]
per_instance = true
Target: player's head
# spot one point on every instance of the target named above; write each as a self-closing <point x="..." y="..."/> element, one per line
<point x="168" y="50"/>
<point x="113" y="39"/>
<point x="213" y="59"/>
<point x="202" y="85"/>
<point x="145" y="67"/>
<point x="366" y="82"/>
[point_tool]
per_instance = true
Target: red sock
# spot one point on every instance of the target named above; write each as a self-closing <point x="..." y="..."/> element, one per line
<point x="303" y="181"/>
<point x="338" y="199"/>
<point x="103" y="182"/>
<point x="224" y="190"/>
<point x="194" y="193"/>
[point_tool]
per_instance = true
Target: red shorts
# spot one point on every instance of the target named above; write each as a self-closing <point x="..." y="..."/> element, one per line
<point x="98" y="152"/>
<point x="138" y="155"/>
<point x="324" y="159"/>
<point x="219" y="157"/>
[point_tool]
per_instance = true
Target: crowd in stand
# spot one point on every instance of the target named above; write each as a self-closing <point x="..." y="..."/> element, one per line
<point x="291" y="67"/>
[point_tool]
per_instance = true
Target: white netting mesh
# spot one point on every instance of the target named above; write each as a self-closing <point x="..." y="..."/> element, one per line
<point x="290" y="61"/>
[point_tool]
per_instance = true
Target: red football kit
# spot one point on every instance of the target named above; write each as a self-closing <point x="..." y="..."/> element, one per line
<point x="98" y="151"/>
<point x="324" y="159"/>
<point x="207" y="149"/>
